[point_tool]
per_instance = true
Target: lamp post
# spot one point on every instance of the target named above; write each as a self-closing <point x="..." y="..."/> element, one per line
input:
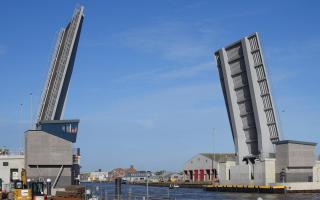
<point x="213" y="157"/>
<point x="30" y="110"/>
<point x="21" y="126"/>
<point x="49" y="187"/>
<point x="147" y="185"/>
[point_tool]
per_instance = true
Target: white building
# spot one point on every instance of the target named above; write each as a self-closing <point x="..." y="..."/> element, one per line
<point x="10" y="169"/>
<point x="98" y="176"/>
<point x="208" y="167"/>
<point x="138" y="176"/>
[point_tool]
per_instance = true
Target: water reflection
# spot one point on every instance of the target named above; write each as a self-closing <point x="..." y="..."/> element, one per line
<point x="137" y="192"/>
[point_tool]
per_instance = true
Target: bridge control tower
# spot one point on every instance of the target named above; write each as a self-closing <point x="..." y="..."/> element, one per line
<point x="48" y="148"/>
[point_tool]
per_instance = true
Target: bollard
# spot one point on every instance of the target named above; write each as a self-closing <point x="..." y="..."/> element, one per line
<point x="129" y="193"/>
<point x="28" y="183"/>
<point x="48" y="187"/>
<point x="118" y="187"/>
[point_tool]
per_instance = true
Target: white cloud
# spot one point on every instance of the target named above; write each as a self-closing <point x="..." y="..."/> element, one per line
<point x="175" y="40"/>
<point x="171" y="74"/>
<point x="187" y="72"/>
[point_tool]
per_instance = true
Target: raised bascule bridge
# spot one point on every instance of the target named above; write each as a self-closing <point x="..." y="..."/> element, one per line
<point x="248" y="99"/>
<point x="262" y="156"/>
<point x="49" y="147"/>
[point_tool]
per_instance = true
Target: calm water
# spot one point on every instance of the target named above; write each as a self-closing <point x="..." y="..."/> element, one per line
<point x="136" y="192"/>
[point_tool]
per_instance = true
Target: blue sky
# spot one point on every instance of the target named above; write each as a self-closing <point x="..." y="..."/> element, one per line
<point x="145" y="84"/>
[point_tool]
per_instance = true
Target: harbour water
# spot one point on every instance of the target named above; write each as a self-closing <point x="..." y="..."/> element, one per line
<point x="137" y="192"/>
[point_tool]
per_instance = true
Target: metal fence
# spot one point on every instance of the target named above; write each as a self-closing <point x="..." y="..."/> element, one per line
<point x="102" y="193"/>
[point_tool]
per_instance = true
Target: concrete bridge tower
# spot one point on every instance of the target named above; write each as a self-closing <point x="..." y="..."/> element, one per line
<point x="48" y="149"/>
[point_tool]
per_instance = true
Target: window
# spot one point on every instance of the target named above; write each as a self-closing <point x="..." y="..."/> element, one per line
<point x="5" y="163"/>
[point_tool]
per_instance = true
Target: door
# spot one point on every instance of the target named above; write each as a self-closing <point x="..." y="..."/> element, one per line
<point x="201" y="174"/>
<point x="196" y="175"/>
<point x="14" y="175"/>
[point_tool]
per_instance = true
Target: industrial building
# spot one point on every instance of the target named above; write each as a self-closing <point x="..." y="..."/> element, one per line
<point x="295" y="160"/>
<point x="49" y="147"/>
<point x="294" y="164"/>
<point x="207" y="166"/>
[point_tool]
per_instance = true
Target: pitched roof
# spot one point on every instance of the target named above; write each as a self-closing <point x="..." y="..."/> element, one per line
<point x="131" y="170"/>
<point x="220" y="157"/>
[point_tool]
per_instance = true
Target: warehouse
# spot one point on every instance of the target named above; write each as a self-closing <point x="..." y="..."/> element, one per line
<point x="208" y="167"/>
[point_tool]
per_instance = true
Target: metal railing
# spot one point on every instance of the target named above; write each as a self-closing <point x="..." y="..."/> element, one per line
<point x="50" y="74"/>
<point x="59" y="65"/>
<point x="128" y="196"/>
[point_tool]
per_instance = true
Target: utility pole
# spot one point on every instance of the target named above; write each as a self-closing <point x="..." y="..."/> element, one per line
<point x="281" y="124"/>
<point x="20" y="112"/>
<point x="147" y="185"/>
<point x="31" y="110"/>
<point x="20" y="125"/>
<point x="214" y="156"/>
